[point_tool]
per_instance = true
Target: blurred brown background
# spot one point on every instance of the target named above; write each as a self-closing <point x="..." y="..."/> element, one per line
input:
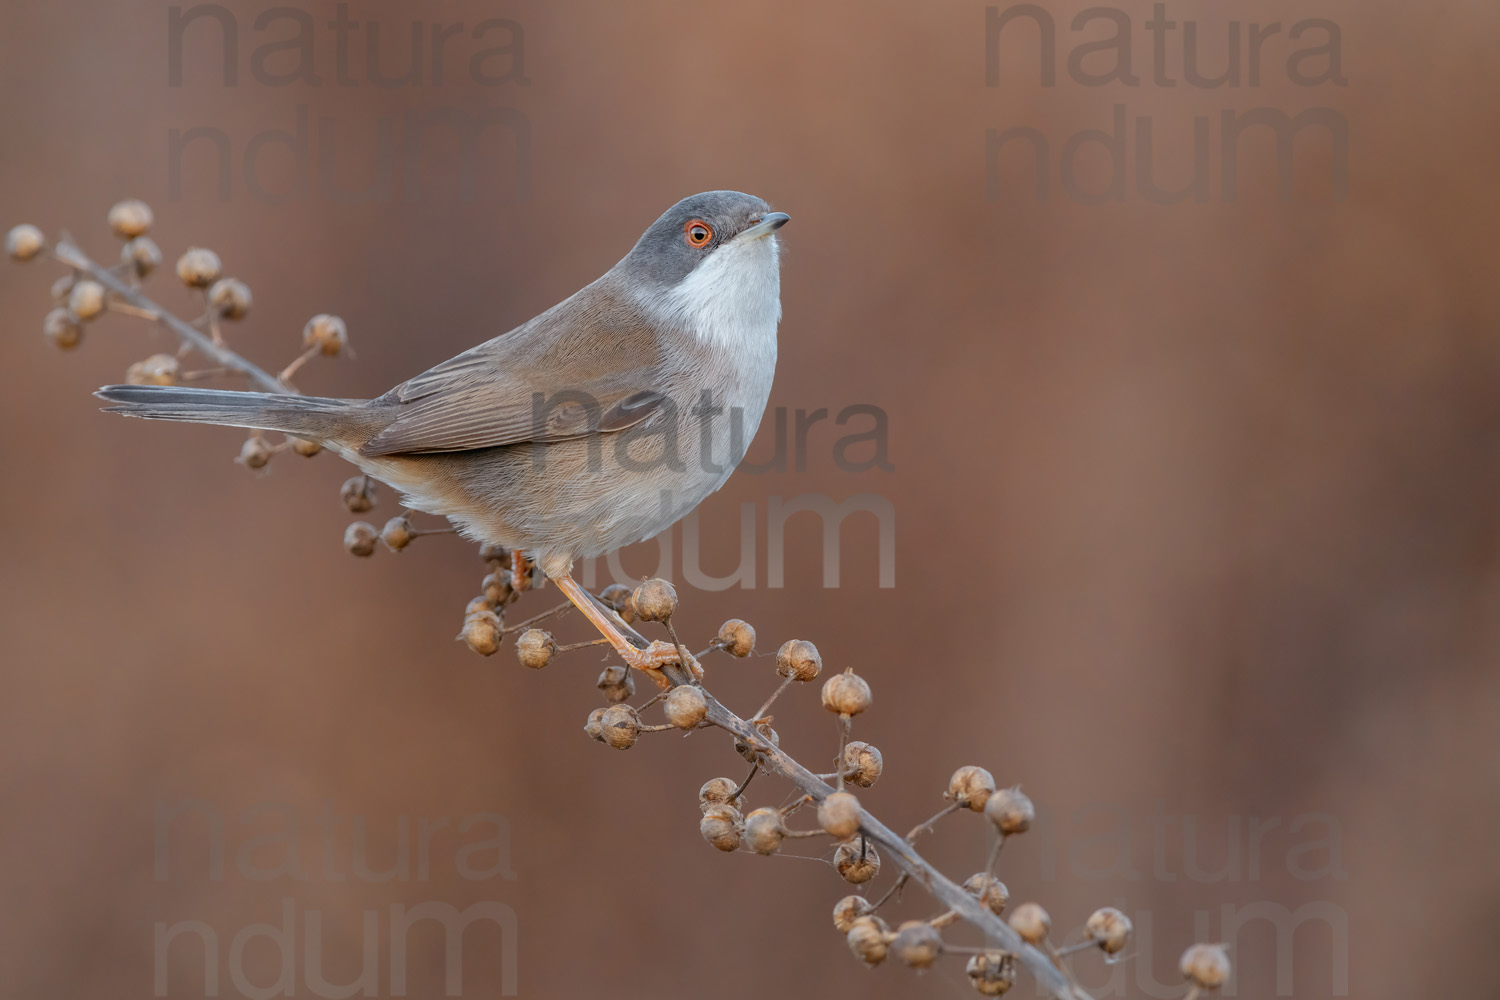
<point x="1195" y="504"/>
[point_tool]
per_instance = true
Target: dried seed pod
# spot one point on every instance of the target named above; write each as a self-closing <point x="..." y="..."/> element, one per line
<point x="327" y="333"/>
<point x="535" y="648"/>
<point x="1206" y="966"/>
<point x="798" y="658"/>
<point x="305" y="448"/>
<point x="686" y="707"/>
<point x="255" y="453"/>
<point x="972" y="785"/>
<point x="595" y="726"/>
<point x="62" y="286"/>
<point x="230" y="298"/>
<point x="358" y="494"/>
<point x="63" y="329"/>
<point x="158" y="369"/>
<point x="655" y="600"/>
<point x="616" y="683"/>
<point x="620" y="724"/>
<point x="1010" y="810"/>
<point x="620" y="598"/>
<point x="736" y="637"/>
<point x="850" y="909"/>
<point x="1031" y="922"/>
<point x="721" y="825"/>
<point x="857" y="861"/>
<point x="497" y="586"/>
<point x="480" y="603"/>
<point x="992" y="973"/>
<point x="141" y="255"/>
<point x="86" y="299"/>
<point x="482" y="632"/>
<point x="716" y="792"/>
<point x="397" y="533"/>
<point x="130" y="218"/>
<point x="198" y="268"/>
<point x="846" y="693"/>
<point x="1110" y="929"/>
<point x="838" y="815"/>
<point x="489" y="552"/>
<point x="869" y="939"/>
<point x="752" y="754"/>
<point x="988" y="890"/>
<point x="863" y="764"/>
<point x="359" y="538"/>
<point x="24" y="242"/>
<point x="763" y="830"/>
<point x="917" y="944"/>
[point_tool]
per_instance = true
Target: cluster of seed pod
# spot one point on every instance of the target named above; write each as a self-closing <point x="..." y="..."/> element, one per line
<point x="726" y="821"/>
<point x="87" y="291"/>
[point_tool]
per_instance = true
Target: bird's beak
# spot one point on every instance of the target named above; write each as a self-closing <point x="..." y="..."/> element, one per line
<point x="764" y="226"/>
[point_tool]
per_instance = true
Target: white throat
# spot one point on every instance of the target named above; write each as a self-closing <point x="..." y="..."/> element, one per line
<point x="732" y="301"/>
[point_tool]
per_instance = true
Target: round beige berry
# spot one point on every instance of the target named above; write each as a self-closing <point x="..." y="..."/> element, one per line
<point x="798" y="658"/>
<point x="655" y="600"/>
<point x="753" y="753"/>
<point x="857" y="861"/>
<point x="130" y="218"/>
<point x="535" y="648"/>
<point x="620" y="600"/>
<point x="359" y="538"/>
<point x="594" y="727"/>
<point x="972" y="786"/>
<point x="869" y="939"/>
<point x="24" y="242"/>
<point x="63" y="329"/>
<point x="863" y="764"/>
<point x="991" y="973"/>
<point x="1031" y="922"/>
<point x="230" y="298"/>
<point x="716" y="792"/>
<point x="327" y="333"/>
<point x="686" y="707"/>
<point x="1110" y="929"/>
<point x="141" y="255"/>
<point x="482" y="632"/>
<point x="917" y="944"/>
<point x="497" y="586"/>
<point x="721" y="825"/>
<point x="358" y="494"/>
<point x="1205" y="965"/>
<point x="396" y="534"/>
<point x="158" y="369"/>
<point x="737" y="638"/>
<point x="846" y="693"/>
<point x="615" y="683"/>
<point x="198" y="268"/>
<point x="255" y="453"/>
<point x="838" y="815"/>
<point x="850" y="909"/>
<point x="763" y="830"/>
<point x="1010" y="810"/>
<point x="621" y="726"/>
<point x="86" y="299"/>
<point x="988" y="890"/>
<point x="306" y="448"/>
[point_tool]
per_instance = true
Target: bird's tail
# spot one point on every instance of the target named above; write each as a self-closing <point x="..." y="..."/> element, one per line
<point x="312" y="417"/>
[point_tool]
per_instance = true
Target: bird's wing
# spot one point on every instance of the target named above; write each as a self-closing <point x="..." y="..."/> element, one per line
<point x="574" y="371"/>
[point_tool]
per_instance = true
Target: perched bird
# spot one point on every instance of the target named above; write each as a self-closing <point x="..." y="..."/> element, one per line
<point x="599" y="423"/>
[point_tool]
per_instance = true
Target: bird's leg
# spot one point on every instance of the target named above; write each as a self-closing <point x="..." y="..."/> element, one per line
<point x="631" y="646"/>
<point x="520" y="573"/>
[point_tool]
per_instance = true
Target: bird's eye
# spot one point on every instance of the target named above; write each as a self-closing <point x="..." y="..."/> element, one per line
<point x="698" y="233"/>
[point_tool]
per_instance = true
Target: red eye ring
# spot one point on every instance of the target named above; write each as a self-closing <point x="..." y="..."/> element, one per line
<point x="698" y="233"/>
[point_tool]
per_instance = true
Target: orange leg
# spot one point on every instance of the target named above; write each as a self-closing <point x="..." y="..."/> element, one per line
<point x="520" y="572"/>
<point x="651" y="659"/>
